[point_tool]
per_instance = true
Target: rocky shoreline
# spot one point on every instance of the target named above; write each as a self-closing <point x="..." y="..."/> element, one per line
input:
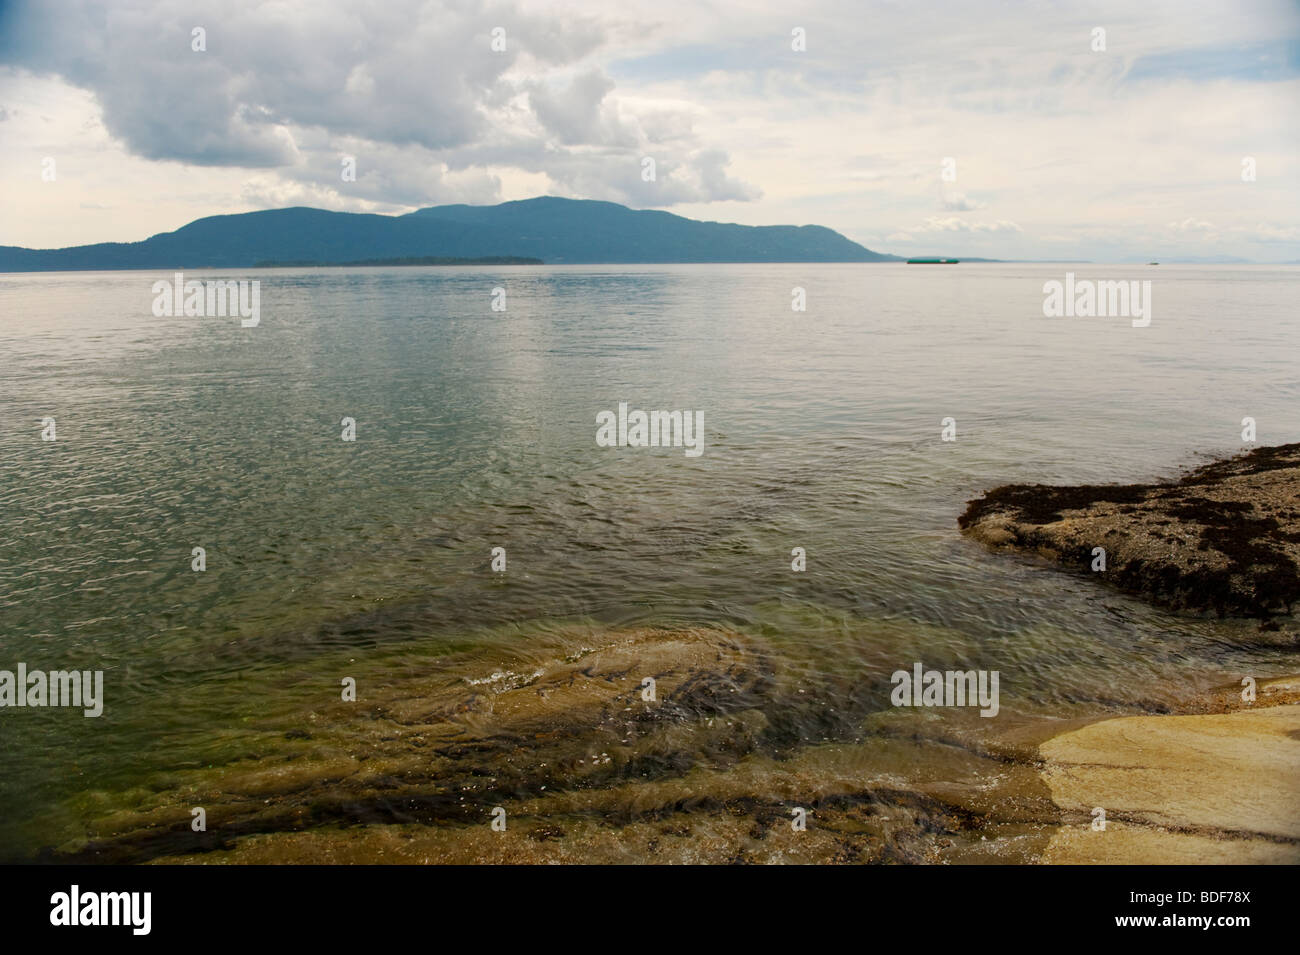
<point x="1220" y="782"/>
<point x="705" y="745"/>
<point x="585" y="768"/>
<point x="1221" y="786"/>
<point x="1224" y="539"/>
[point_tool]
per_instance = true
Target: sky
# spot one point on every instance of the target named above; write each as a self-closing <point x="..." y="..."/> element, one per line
<point x="1105" y="132"/>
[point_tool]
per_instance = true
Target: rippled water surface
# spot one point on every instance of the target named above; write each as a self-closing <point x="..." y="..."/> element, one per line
<point x="475" y="429"/>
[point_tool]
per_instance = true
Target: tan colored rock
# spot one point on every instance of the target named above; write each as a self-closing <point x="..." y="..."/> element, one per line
<point x="1122" y="844"/>
<point x="1204" y="788"/>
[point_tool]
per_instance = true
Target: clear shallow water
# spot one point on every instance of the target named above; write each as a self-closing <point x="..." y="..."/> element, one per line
<point x="476" y="429"/>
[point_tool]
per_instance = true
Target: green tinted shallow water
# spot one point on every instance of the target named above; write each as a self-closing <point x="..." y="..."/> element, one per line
<point x="476" y="429"/>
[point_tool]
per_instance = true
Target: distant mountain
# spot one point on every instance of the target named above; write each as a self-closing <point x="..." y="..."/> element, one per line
<point x="554" y="230"/>
<point x="405" y="260"/>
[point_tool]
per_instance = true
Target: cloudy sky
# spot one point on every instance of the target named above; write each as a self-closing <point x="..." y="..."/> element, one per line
<point x="1059" y="150"/>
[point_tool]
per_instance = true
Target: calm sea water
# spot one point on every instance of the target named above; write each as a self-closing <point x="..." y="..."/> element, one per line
<point x="476" y="429"/>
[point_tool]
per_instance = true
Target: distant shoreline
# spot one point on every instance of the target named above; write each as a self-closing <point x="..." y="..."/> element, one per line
<point x="489" y="261"/>
<point x="403" y="260"/>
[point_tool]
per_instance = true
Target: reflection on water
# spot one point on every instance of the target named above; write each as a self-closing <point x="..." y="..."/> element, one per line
<point x="476" y="430"/>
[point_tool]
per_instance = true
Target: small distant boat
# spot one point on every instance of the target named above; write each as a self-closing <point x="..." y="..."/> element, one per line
<point x="928" y="261"/>
<point x="1153" y="263"/>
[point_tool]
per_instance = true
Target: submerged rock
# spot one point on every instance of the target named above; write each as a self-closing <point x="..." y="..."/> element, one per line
<point x="584" y="764"/>
<point x="1225" y="538"/>
<point x="422" y="751"/>
<point x="587" y="766"/>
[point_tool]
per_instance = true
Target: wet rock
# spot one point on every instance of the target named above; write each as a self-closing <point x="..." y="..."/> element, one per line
<point x="420" y="751"/>
<point x="1225" y="538"/>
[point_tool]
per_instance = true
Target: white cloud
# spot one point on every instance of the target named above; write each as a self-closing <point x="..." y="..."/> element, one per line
<point x="1092" y="154"/>
<point x="955" y="224"/>
<point x="1191" y="224"/>
<point x="960" y="202"/>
